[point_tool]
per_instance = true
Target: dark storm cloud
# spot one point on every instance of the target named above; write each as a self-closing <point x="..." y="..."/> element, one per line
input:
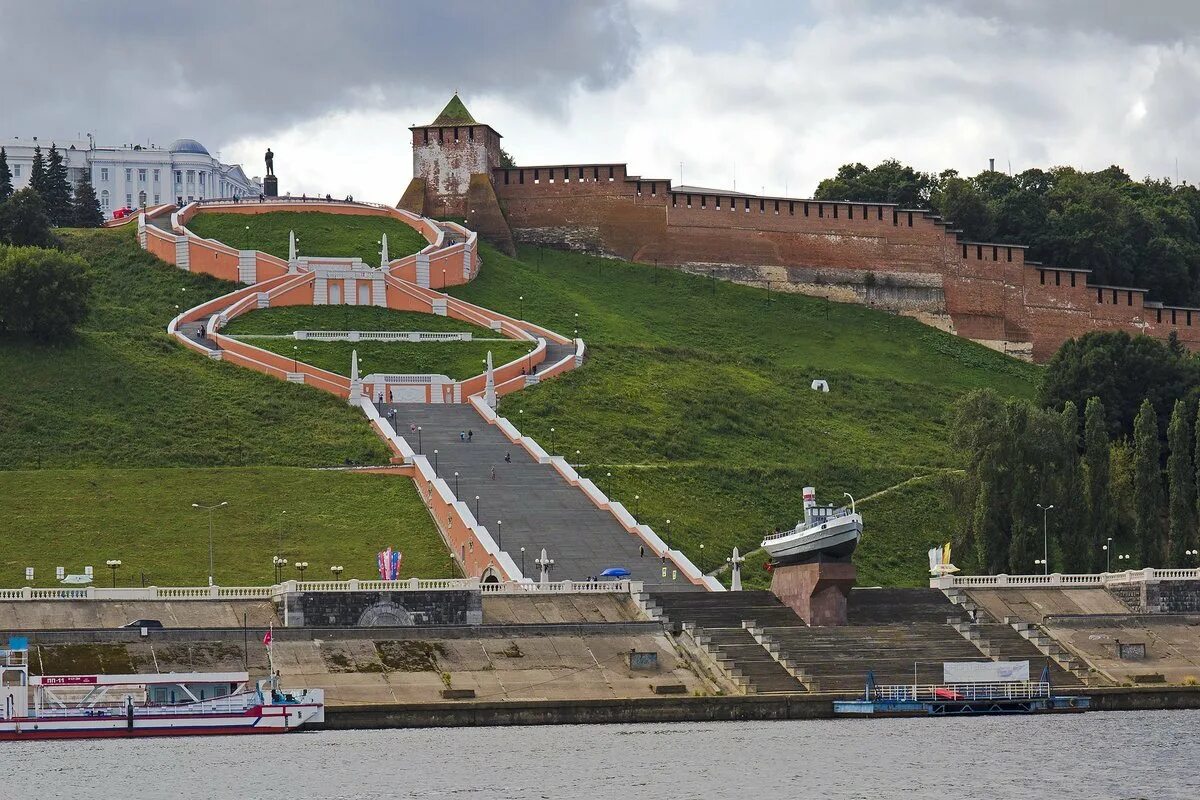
<point x="224" y="68"/>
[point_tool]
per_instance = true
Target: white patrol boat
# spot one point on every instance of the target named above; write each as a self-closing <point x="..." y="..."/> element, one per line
<point x="825" y="531"/>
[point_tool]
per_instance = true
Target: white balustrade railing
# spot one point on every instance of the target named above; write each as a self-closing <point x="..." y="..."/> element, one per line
<point x="287" y="587"/>
<point x="384" y="336"/>
<point x="1006" y="690"/>
<point x="1059" y="580"/>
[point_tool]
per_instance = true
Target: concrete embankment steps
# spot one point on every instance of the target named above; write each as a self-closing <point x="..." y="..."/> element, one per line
<point x="719" y="623"/>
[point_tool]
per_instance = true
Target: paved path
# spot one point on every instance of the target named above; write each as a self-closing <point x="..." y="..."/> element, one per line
<point x="536" y="506"/>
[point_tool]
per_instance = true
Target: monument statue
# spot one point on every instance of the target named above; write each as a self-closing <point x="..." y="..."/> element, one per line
<point x="270" y="158"/>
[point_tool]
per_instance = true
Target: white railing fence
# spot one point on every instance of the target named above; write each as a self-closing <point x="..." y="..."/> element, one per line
<point x="1058" y="580"/>
<point x="524" y="587"/>
<point x="1019" y="690"/>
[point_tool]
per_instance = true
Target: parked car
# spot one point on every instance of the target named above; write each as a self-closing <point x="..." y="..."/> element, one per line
<point x="144" y="623"/>
<point x="122" y="213"/>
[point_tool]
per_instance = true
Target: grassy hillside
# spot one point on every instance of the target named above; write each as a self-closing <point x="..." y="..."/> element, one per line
<point x="122" y="393"/>
<point x="458" y="360"/>
<point x="145" y="519"/>
<point x="319" y="234"/>
<point x="286" y="319"/>
<point x="696" y="397"/>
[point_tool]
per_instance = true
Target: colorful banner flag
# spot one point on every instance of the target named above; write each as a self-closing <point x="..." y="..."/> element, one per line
<point x="389" y="564"/>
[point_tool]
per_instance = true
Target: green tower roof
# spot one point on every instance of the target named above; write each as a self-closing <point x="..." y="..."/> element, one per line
<point x="455" y="113"/>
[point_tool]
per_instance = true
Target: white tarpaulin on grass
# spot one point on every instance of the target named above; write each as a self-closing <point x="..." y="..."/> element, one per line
<point x="984" y="671"/>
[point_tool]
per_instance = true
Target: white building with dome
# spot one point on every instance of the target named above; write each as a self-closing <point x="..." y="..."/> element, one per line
<point x="136" y="175"/>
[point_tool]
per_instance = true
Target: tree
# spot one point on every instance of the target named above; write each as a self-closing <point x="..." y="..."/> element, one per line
<point x="23" y="220"/>
<point x="1147" y="486"/>
<point x="57" y="193"/>
<point x="86" y="211"/>
<point x="1100" y="512"/>
<point x="6" y="187"/>
<point x="506" y="159"/>
<point x="978" y="430"/>
<point x="1122" y="371"/>
<point x="37" y="173"/>
<point x="1070" y="518"/>
<point x="44" y="294"/>
<point x="960" y="203"/>
<point x="889" y="182"/>
<point x="1181" y="483"/>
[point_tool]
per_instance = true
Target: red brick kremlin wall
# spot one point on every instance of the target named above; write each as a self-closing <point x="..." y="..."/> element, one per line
<point x="990" y="292"/>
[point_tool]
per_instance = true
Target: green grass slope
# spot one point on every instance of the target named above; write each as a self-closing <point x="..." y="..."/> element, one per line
<point x="122" y="393"/>
<point x="319" y="234"/>
<point x="696" y="398"/>
<point x="457" y="360"/>
<point x="286" y="319"/>
<point x="145" y="518"/>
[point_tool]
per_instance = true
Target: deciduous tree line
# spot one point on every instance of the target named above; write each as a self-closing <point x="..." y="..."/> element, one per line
<point x="1125" y="476"/>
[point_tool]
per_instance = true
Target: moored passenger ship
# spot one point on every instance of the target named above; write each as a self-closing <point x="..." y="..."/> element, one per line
<point x="172" y="704"/>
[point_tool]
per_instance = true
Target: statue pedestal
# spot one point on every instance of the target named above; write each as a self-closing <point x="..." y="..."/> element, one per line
<point x="271" y="186"/>
<point x="817" y="592"/>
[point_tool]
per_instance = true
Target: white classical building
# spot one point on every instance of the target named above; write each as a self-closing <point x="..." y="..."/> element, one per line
<point x="137" y="175"/>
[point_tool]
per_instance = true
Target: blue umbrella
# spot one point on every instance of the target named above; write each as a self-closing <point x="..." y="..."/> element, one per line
<point x="615" y="572"/>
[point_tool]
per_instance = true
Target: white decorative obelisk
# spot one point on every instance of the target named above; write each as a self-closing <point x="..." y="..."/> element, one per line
<point x="544" y="564"/>
<point x="383" y="254"/>
<point x="735" y="566"/>
<point x="489" y="391"/>
<point x="355" y="380"/>
<point x="291" y="248"/>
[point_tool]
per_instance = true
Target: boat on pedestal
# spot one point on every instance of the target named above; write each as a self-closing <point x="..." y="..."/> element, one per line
<point x="825" y="532"/>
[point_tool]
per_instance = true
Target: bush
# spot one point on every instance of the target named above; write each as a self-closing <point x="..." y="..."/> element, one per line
<point x="43" y="293"/>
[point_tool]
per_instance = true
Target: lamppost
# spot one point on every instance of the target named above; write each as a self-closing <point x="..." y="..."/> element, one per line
<point x="295" y="358"/>
<point x="435" y="461"/>
<point x="419" y="448"/>
<point x="1123" y="557"/>
<point x="337" y="572"/>
<point x="551" y="439"/>
<point x="701" y="557"/>
<point x="668" y="534"/>
<point x="637" y="504"/>
<point x="476" y="508"/>
<point x="1192" y="554"/>
<point x="114" y="564"/>
<point x="300" y="567"/>
<point x="521" y="307"/>
<point x="456" y="483"/>
<point x="522" y="560"/>
<point x="499" y="535"/>
<point x="282" y="514"/>
<point x="1108" y="555"/>
<point x="279" y="562"/>
<point x="1045" y="537"/>
<point x="210" y="510"/>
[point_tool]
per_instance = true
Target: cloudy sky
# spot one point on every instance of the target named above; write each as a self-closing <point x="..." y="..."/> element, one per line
<point x="774" y="95"/>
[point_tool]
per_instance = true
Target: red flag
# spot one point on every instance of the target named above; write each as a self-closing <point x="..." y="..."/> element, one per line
<point x="267" y="638"/>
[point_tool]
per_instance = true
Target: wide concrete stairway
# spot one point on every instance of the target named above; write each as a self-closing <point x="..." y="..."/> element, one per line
<point x="717" y="622"/>
<point x="534" y="505"/>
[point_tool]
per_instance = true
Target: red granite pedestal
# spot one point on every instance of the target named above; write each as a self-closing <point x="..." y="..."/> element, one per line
<point x="817" y="592"/>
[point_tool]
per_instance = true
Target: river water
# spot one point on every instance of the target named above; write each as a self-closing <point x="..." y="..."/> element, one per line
<point x="1095" y="756"/>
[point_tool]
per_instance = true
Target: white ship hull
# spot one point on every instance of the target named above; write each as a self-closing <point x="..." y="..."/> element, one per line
<point x="212" y="718"/>
<point x="836" y="538"/>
